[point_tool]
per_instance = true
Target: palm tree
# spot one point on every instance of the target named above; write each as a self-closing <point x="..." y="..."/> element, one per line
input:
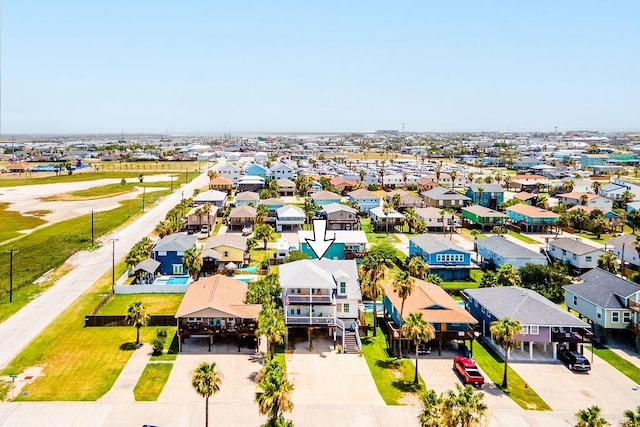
<point x="417" y="267"/>
<point x="627" y="196"/>
<point x="137" y="316"/>
<point x="595" y="185"/>
<point x="480" y="192"/>
<point x="590" y="417"/>
<point x="507" y="181"/>
<point x="362" y="174"/>
<point x="405" y="176"/>
<point x="386" y="208"/>
<point x="504" y="333"/>
<point x="192" y="260"/>
<point x="271" y="324"/>
<point x="403" y="285"/>
<point x="464" y="407"/>
<point x="372" y="271"/>
<point x="275" y="398"/>
<point x="431" y="413"/>
<point x="584" y="199"/>
<point x="262" y="212"/>
<point x="264" y="232"/>
<point x="410" y="218"/>
<point x="396" y="200"/>
<point x="453" y="175"/>
<point x="631" y="419"/>
<point x="598" y="225"/>
<point x="418" y="330"/>
<point x="508" y="275"/>
<point x="206" y="381"/>
<point x="381" y="173"/>
<point x="309" y="208"/>
<point x="438" y="169"/>
<point x="634" y="219"/>
<point x="608" y="262"/>
<point x="163" y="229"/>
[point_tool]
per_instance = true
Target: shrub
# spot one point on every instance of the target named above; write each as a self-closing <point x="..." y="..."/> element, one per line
<point x="339" y="348"/>
<point x="158" y="346"/>
<point x="372" y="187"/>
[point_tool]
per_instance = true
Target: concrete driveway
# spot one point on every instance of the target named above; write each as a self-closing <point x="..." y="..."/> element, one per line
<point x="569" y="391"/>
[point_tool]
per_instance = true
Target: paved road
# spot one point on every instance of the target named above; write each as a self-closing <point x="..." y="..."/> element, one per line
<point x="87" y="267"/>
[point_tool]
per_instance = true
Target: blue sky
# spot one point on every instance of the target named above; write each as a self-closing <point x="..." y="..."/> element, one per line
<point x="251" y="66"/>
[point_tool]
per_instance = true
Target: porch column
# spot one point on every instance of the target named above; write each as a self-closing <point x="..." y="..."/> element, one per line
<point x="544" y="347"/>
<point x="521" y="345"/>
<point x="555" y="350"/>
<point x="531" y="350"/>
<point x="580" y="348"/>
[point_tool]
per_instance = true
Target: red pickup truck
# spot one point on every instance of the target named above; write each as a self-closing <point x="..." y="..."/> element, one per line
<point x="468" y="370"/>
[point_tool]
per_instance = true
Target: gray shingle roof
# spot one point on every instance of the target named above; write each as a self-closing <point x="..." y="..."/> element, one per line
<point x="321" y="273"/>
<point x="507" y="249"/>
<point x="175" y="243"/>
<point x="432" y="244"/>
<point x="442" y="193"/>
<point x="525" y="305"/>
<point x="484" y="212"/>
<point x="573" y="246"/>
<point x="603" y="288"/>
<point x="231" y="240"/>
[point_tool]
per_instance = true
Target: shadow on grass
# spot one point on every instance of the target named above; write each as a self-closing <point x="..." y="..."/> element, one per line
<point x="407" y="386"/>
<point x="388" y="364"/>
<point x="128" y="346"/>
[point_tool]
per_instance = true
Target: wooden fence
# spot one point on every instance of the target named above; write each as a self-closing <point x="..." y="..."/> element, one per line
<point x="120" y="320"/>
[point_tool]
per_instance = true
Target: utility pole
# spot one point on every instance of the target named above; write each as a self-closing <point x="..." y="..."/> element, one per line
<point x="144" y="190"/>
<point x="92" y="230"/>
<point x="11" y="252"/>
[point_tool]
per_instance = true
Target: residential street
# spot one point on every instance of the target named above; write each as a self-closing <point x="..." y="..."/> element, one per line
<point x="87" y="267"/>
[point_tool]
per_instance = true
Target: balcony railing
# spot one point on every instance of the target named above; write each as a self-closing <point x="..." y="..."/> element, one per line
<point x="354" y="254"/>
<point x="576" y="335"/>
<point x="313" y="321"/>
<point x="308" y="299"/>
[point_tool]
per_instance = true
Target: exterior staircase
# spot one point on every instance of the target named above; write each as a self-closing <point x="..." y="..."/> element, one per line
<point x="351" y="343"/>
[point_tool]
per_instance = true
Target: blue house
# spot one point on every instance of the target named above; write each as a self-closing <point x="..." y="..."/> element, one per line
<point x="170" y="250"/>
<point x="366" y="199"/>
<point x="445" y="258"/>
<point x="348" y="244"/>
<point x="487" y="195"/>
<point x="255" y="169"/>
<point x="323" y="197"/>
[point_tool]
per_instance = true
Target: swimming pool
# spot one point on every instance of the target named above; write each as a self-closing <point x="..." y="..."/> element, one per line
<point x="252" y="269"/>
<point x="246" y="278"/>
<point x="171" y="280"/>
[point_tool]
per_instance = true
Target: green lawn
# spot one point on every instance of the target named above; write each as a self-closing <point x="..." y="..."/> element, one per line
<point x="590" y="236"/>
<point x="522" y="237"/>
<point x="13" y="221"/>
<point x="79" y="363"/>
<point x="522" y="394"/>
<point x="76" y="177"/>
<point x="280" y="354"/>
<point x="155" y="303"/>
<point x="622" y="365"/>
<point x="393" y="377"/>
<point x="152" y="381"/>
<point x="376" y="238"/>
<point x="109" y="190"/>
<point x="476" y="276"/>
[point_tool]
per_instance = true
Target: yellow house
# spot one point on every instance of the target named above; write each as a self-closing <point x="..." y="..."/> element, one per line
<point x="223" y="249"/>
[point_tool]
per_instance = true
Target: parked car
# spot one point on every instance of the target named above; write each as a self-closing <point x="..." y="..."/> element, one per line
<point x="574" y="360"/>
<point x="204" y="229"/>
<point x="468" y="371"/>
<point x="423" y="348"/>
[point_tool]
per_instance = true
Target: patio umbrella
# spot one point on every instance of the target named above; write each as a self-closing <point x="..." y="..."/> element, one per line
<point x="231" y="266"/>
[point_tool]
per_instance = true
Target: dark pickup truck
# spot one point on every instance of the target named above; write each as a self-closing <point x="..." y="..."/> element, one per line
<point x="468" y="371"/>
<point x="574" y="360"/>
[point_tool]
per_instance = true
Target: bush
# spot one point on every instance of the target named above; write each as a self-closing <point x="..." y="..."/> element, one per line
<point x="159" y="342"/>
<point x="339" y="348"/>
<point x="372" y="187"/>
<point x="412" y="187"/>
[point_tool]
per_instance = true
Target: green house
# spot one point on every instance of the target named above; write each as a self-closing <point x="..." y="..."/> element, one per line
<point x="484" y="217"/>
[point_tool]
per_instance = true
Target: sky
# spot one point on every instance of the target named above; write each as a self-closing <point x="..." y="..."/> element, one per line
<point x="332" y="66"/>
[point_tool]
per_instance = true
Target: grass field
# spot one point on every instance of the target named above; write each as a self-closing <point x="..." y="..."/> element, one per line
<point x="76" y="177"/>
<point x="152" y="381"/>
<point x="155" y="303"/>
<point x="376" y="238"/>
<point x="622" y="365"/>
<point x="523" y="238"/>
<point x="79" y="363"/>
<point x="493" y="366"/>
<point x="100" y="192"/>
<point x="393" y="377"/>
<point x="476" y="276"/>
<point x="12" y="222"/>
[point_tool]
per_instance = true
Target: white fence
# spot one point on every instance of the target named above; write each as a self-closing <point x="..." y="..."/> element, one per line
<point x="150" y="289"/>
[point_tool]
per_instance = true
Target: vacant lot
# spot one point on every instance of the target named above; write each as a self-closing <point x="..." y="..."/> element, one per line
<point x="155" y="303"/>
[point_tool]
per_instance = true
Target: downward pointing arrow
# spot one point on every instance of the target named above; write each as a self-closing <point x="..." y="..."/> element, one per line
<point x="319" y="244"/>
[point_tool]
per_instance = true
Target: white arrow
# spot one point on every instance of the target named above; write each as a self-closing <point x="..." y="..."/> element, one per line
<point x="319" y="244"/>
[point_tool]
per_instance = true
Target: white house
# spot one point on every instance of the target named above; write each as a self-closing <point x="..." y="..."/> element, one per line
<point x="580" y="256"/>
<point x="592" y="200"/>
<point x="282" y="171"/>
<point x="230" y="171"/>
<point x="623" y="246"/>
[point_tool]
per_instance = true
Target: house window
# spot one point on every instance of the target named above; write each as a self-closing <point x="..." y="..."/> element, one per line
<point x="194" y="320"/>
<point x="225" y="254"/>
<point x="575" y="257"/>
<point x="599" y="313"/>
<point x="343" y="288"/>
<point x="615" y="317"/>
<point x="292" y="311"/>
<point x="588" y="259"/>
<point x="339" y="308"/>
<point x="525" y="330"/>
<point x="626" y="316"/>
<point x="534" y="330"/>
<point x="575" y="300"/>
<point x="345" y="308"/>
<point x="161" y="253"/>
<point x="178" y="269"/>
<point x="180" y="253"/>
<point x="564" y="252"/>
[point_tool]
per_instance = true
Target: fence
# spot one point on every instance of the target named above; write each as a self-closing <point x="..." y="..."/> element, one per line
<point x="150" y="289"/>
<point x="121" y="320"/>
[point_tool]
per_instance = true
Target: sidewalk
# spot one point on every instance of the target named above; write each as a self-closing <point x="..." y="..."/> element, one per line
<point x="627" y="354"/>
<point x="122" y="389"/>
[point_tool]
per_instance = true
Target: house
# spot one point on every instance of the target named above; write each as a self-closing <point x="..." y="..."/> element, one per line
<point x="145" y="271"/>
<point x="613" y="219"/>
<point x="273" y="204"/>
<point x="425" y="184"/>
<point x="498" y="251"/>
<point x="340" y="217"/>
<point x="525" y="163"/>
<point x="441" y="197"/>
<point x="289" y="217"/>
<point x="241" y="217"/>
<point x="261" y="157"/>
<point x="221" y="183"/>
<point x="255" y="169"/>
<point x="528" y="182"/>
<point x="229" y="171"/>
<point x="169" y="251"/>
<point x="196" y="218"/>
<point x="586" y="199"/>
<point x="213" y="197"/>
<point x="407" y="200"/>
<point x="286" y="187"/>
<point x="531" y="218"/>
<point x="347" y="244"/>
<point x="247" y="198"/>
<point x="484" y="217"/>
<point x="321" y="294"/>
<point x="250" y="183"/>
<point x="395" y="180"/>
<point x="528" y="198"/>
<point x="343" y="184"/>
<point x="450" y="321"/>
<point x="610" y="303"/>
<point x="214" y="307"/>
<point x="222" y="249"/>
<point x="434" y="218"/>
<point x="282" y="249"/>
<point x="324" y="197"/>
<point x="388" y="220"/>
<point x="365" y="199"/>
<point x="546" y="326"/>
<point x="445" y="258"/>
<point x="282" y="171"/>
<point x="623" y="246"/>
<point x="579" y="256"/>
<point x="617" y="188"/>
<point x="487" y="195"/>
